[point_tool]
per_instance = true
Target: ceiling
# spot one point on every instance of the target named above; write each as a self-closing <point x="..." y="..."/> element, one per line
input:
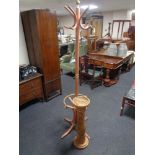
<point x="58" y="5"/>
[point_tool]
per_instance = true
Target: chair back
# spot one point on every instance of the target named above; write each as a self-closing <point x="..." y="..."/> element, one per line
<point x="83" y="48"/>
<point x="90" y="72"/>
<point x="84" y="65"/>
<point x="82" y="51"/>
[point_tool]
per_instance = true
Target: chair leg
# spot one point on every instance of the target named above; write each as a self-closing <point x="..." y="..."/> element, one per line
<point x="99" y="83"/>
<point x="80" y="79"/>
<point x="91" y="85"/>
<point x="122" y="107"/>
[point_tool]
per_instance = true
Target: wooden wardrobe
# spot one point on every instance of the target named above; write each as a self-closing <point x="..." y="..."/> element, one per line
<point x="40" y="29"/>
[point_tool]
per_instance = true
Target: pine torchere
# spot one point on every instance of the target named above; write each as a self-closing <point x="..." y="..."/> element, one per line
<point x="40" y="29"/>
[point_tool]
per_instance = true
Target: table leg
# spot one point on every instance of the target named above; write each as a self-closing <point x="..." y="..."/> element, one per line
<point x="107" y="81"/>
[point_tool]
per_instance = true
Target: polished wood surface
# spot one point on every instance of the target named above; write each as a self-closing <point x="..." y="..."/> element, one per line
<point x="30" y="89"/>
<point x="110" y="63"/>
<point x="106" y="61"/>
<point x="40" y="29"/>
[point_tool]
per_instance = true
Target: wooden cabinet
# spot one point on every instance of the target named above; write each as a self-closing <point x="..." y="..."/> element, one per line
<point x="30" y="89"/>
<point x="40" y="28"/>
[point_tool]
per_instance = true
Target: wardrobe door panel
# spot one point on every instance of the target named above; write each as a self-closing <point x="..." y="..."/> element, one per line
<point x="49" y="44"/>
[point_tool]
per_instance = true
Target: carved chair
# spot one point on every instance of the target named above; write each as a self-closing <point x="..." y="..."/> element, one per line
<point x="89" y="72"/>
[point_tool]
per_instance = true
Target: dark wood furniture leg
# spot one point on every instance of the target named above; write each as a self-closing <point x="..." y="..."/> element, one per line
<point x="107" y="81"/>
<point x="122" y="107"/>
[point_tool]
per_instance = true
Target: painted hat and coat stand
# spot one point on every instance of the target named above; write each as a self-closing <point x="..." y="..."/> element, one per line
<point x="78" y="102"/>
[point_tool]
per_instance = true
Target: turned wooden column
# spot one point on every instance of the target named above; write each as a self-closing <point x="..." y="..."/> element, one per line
<point x="107" y="79"/>
<point x="81" y="141"/>
<point x="77" y="32"/>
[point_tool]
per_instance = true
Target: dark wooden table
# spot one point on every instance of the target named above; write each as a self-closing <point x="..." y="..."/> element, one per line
<point x="110" y="63"/>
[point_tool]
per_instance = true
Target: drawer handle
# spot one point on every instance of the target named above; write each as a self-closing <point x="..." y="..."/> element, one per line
<point x="34" y="93"/>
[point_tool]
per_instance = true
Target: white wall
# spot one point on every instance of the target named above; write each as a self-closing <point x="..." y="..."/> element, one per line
<point x="109" y="16"/>
<point x="66" y="21"/>
<point x="23" y="55"/>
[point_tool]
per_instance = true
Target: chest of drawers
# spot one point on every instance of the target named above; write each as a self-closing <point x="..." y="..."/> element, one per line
<point x="30" y="89"/>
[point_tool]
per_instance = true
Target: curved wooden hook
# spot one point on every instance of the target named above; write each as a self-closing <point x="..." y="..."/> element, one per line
<point x="71" y="11"/>
<point x="86" y="26"/>
<point x="84" y="12"/>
